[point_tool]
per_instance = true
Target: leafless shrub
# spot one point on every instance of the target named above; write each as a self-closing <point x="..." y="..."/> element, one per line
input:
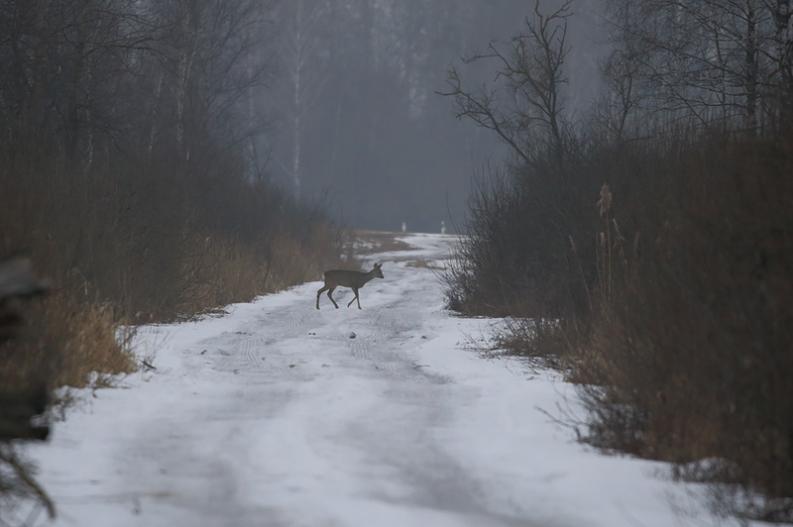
<point x="667" y="265"/>
<point x="691" y="348"/>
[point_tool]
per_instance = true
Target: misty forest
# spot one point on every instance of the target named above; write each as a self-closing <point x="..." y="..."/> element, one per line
<point x="559" y="234"/>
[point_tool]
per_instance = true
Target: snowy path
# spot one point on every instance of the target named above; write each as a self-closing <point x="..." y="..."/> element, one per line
<point x="273" y="415"/>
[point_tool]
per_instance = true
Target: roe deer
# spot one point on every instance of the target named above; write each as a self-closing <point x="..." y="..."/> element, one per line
<point x="352" y="279"/>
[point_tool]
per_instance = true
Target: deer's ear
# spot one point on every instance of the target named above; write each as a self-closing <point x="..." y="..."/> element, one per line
<point x="377" y="266"/>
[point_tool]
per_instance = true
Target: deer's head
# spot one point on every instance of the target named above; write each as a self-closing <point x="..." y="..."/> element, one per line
<point x="378" y="272"/>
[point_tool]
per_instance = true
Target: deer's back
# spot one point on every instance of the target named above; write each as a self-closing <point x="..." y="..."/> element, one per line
<point x="344" y="278"/>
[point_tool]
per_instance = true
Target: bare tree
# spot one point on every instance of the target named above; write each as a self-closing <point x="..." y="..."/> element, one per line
<point x="781" y="57"/>
<point x="624" y="72"/>
<point x="720" y="63"/>
<point x="302" y="55"/>
<point x="525" y="106"/>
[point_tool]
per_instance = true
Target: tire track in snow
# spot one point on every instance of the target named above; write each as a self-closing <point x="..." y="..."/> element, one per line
<point x="326" y="430"/>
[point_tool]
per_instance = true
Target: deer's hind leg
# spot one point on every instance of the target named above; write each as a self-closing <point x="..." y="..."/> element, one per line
<point x="324" y="288"/>
<point x="355" y="290"/>
<point x="330" y="295"/>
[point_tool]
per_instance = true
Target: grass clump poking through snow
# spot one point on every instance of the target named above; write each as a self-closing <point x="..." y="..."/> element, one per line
<point x="66" y="342"/>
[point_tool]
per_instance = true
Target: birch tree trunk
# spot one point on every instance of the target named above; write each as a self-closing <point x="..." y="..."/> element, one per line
<point x="297" y="117"/>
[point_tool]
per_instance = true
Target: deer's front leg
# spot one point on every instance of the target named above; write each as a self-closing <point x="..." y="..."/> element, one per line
<point x="330" y="295"/>
<point x="319" y="293"/>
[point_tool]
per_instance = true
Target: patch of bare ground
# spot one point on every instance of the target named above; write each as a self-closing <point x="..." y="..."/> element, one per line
<point x="369" y="242"/>
<point x="421" y="263"/>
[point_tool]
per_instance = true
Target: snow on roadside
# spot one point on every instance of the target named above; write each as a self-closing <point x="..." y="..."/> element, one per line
<point x="274" y="415"/>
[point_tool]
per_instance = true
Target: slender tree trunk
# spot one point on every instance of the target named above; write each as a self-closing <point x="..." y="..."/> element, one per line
<point x="783" y="36"/>
<point x="253" y="168"/>
<point x="186" y="58"/>
<point x="153" y="118"/>
<point x="751" y="68"/>
<point x="296" y="153"/>
<point x="297" y="101"/>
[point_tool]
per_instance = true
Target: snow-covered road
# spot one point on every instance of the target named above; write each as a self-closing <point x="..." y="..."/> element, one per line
<point x="273" y="415"/>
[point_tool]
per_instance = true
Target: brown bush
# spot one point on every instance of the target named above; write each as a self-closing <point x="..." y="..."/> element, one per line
<point x="693" y="352"/>
<point x="679" y="306"/>
<point x="123" y="244"/>
<point x="515" y="258"/>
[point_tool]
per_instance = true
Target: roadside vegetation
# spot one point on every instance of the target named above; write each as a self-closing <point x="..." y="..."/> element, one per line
<point x="130" y="179"/>
<point x="646" y="249"/>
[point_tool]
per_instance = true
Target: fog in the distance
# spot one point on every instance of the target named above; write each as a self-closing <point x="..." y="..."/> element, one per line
<point x="354" y="117"/>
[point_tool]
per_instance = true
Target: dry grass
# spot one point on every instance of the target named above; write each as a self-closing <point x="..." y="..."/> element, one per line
<point x="64" y="343"/>
<point x="543" y="342"/>
<point x="673" y="296"/>
<point x="691" y="344"/>
<point x="136" y="243"/>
